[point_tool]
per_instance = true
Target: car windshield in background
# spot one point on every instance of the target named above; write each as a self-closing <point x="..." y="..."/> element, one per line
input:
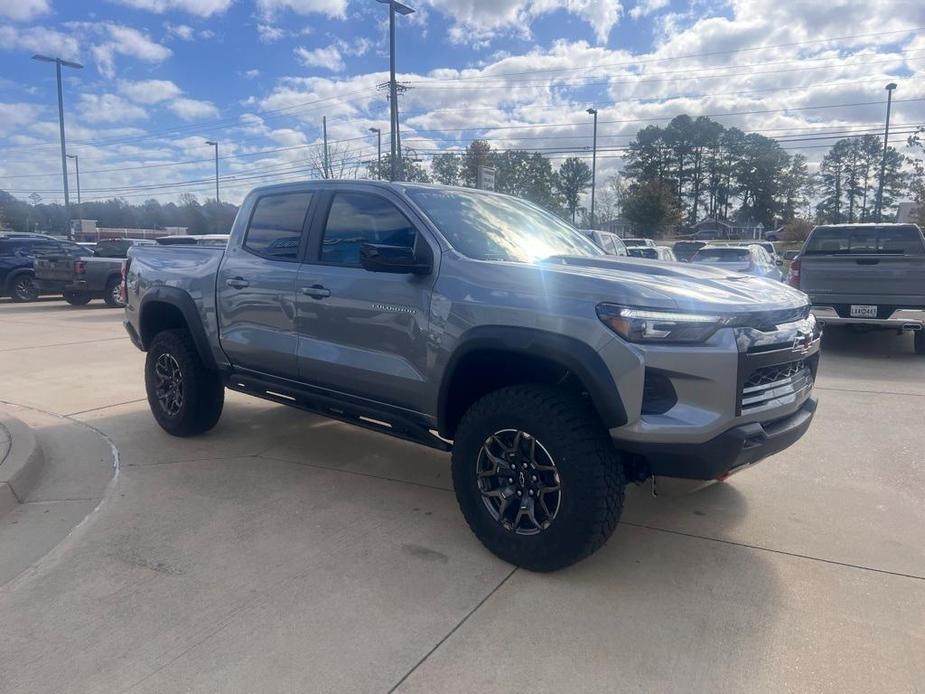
<point x="643" y="252"/>
<point x="898" y="240"/>
<point x="486" y="226"/>
<point x="722" y="255"/>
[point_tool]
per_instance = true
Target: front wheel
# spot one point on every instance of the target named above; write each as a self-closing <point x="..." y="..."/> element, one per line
<point x="22" y="288"/>
<point x="537" y="477"/>
<point x="77" y="298"/>
<point x="185" y="397"/>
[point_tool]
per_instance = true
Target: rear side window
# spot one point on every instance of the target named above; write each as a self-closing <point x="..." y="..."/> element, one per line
<point x="865" y="240"/>
<point x="723" y="255"/>
<point x="276" y="225"/>
<point x="358" y="218"/>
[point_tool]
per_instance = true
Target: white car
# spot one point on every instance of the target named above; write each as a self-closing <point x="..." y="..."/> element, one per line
<point x="748" y="260"/>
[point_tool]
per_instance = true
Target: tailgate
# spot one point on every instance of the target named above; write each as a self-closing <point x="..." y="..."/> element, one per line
<point x="868" y="279"/>
<point x="54" y="267"/>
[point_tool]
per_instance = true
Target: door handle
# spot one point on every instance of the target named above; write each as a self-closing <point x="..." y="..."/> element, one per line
<point x="316" y="291"/>
<point x="237" y="283"/>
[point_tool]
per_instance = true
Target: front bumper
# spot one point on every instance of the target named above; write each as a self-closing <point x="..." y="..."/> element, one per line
<point x="727" y="453"/>
<point x="898" y="319"/>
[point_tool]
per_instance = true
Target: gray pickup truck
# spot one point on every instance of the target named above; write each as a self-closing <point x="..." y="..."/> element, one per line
<point x="80" y="280"/>
<point x="868" y="276"/>
<point x="479" y="323"/>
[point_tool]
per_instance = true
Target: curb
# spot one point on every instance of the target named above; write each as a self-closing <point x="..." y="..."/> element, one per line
<point x="22" y="464"/>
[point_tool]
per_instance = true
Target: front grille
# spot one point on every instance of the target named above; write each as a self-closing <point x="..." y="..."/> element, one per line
<point x="775" y="385"/>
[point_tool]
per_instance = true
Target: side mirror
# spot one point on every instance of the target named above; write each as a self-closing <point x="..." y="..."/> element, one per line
<point x="377" y="257"/>
<point x="780" y="261"/>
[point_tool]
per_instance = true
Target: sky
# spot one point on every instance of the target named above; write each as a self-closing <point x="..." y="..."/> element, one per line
<point x="161" y="77"/>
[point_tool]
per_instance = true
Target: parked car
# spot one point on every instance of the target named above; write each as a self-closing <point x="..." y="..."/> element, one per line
<point x="17" y="256"/>
<point x="194" y="240"/>
<point x="684" y="250"/>
<point x="770" y="249"/>
<point x="648" y="252"/>
<point x="608" y="242"/>
<point x="869" y="276"/>
<point x="476" y="322"/>
<point x="631" y="243"/>
<point x="666" y="254"/>
<point x="748" y="260"/>
<point x="791" y="255"/>
<point x="81" y="279"/>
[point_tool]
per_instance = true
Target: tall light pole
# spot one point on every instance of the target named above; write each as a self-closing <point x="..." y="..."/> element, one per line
<point x="214" y="143"/>
<point x="886" y="139"/>
<point x="58" y="63"/>
<point x="378" y="132"/>
<point x="77" y="169"/>
<point x="593" y="112"/>
<point x="394" y="6"/>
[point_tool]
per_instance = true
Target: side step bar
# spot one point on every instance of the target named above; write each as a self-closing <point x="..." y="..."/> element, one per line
<point x="359" y="414"/>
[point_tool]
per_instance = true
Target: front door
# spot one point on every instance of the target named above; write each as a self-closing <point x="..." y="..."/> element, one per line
<point x="256" y="287"/>
<point x="361" y="332"/>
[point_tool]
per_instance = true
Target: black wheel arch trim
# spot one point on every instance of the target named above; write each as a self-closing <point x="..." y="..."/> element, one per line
<point x="573" y="354"/>
<point x="182" y="301"/>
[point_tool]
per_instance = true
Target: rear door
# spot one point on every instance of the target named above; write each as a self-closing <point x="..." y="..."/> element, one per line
<point x="362" y="332"/>
<point x="256" y="286"/>
<point x="865" y="265"/>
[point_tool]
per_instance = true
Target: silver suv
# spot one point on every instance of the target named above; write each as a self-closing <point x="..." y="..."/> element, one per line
<point x="480" y="324"/>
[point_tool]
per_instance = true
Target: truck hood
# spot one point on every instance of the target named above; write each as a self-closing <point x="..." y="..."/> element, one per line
<point x="653" y="284"/>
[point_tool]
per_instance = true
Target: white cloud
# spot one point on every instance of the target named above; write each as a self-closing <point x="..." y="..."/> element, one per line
<point x="192" y="109"/>
<point x="39" y="40"/>
<point x="331" y="8"/>
<point x="329" y="58"/>
<point x="644" y="8"/>
<point x="251" y="74"/>
<point x="268" y="33"/>
<point x="108" y="108"/>
<point x="126" y="41"/>
<point x="184" y="32"/>
<point x="149" y="91"/>
<point x="14" y="116"/>
<point x="202" y="8"/>
<point x="23" y="10"/>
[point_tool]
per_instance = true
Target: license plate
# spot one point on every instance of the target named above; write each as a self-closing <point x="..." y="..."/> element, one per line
<point x="863" y="311"/>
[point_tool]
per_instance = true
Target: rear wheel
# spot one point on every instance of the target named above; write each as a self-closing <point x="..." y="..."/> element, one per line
<point x="537" y="477"/>
<point x="113" y="293"/>
<point x="185" y="397"/>
<point x="77" y="298"/>
<point x="22" y="288"/>
<point x="919" y="341"/>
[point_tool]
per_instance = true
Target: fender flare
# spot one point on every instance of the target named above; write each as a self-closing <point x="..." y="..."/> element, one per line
<point x="576" y="356"/>
<point x="12" y="275"/>
<point x="183" y="302"/>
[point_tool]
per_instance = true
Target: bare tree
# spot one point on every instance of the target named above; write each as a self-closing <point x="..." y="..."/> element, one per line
<point x="342" y="161"/>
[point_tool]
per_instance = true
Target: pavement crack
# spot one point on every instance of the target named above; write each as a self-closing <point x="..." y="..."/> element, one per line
<point x="61" y="344"/>
<point x="869" y="392"/>
<point x="453" y="630"/>
<point x="783" y="552"/>
<point x="104" y="407"/>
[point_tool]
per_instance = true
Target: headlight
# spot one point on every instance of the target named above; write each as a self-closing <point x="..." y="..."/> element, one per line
<point x="654" y="326"/>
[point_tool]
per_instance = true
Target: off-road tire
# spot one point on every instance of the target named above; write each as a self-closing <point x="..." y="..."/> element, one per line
<point x="77" y="298"/>
<point x="203" y="393"/>
<point x="111" y="294"/>
<point x="919" y="341"/>
<point x="21" y="288"/>
<point x="590" y="473"/>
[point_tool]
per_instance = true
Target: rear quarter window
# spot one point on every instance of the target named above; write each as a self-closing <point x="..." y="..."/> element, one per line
<point x="275" y="229"/>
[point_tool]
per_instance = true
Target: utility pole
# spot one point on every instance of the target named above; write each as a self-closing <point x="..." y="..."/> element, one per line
<point x="394" y="6"/>
<point x="77" y="169"/>
<point x="593" y="112"/>
<point x="58" y="63"/>
<point x="214" y="143"/>
<point x="886" y="139"/>
<point x="324" y="131"/>
<point x="378" y="132"/>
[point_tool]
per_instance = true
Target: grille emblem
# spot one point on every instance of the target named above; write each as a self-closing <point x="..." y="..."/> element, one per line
<point x="802" y="342"/>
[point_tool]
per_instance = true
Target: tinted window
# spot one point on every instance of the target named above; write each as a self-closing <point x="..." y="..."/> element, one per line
<point x="276" y="225"/>
<point x="358" y="218"/>
<point x="902" y="240"/>
<point x="25" y="246"/>
<point x="723" y="255"/>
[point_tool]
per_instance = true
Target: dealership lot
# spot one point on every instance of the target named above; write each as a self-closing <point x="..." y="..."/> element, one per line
<point x="287" y="552"/>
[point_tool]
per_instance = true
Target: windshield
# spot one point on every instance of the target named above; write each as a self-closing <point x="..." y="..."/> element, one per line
<point x="898" y="240"/>
<point x="722" y="255"/>
<point x="486" y="226"/>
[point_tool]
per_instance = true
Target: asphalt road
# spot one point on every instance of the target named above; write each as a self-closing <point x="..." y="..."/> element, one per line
<point x="287" y="552"/>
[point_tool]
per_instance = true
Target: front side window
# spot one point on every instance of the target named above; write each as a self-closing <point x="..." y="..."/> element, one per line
<point x="358" y="218"/>
<point x="487" y="226"/>
<point x="275" y="230"/>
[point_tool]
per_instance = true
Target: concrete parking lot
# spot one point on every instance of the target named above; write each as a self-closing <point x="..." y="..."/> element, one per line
<point x="286" y="552"/>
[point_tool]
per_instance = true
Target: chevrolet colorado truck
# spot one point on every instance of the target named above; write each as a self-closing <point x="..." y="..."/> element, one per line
<point x="480" y="324"/>
<point x="867" y="276"/>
